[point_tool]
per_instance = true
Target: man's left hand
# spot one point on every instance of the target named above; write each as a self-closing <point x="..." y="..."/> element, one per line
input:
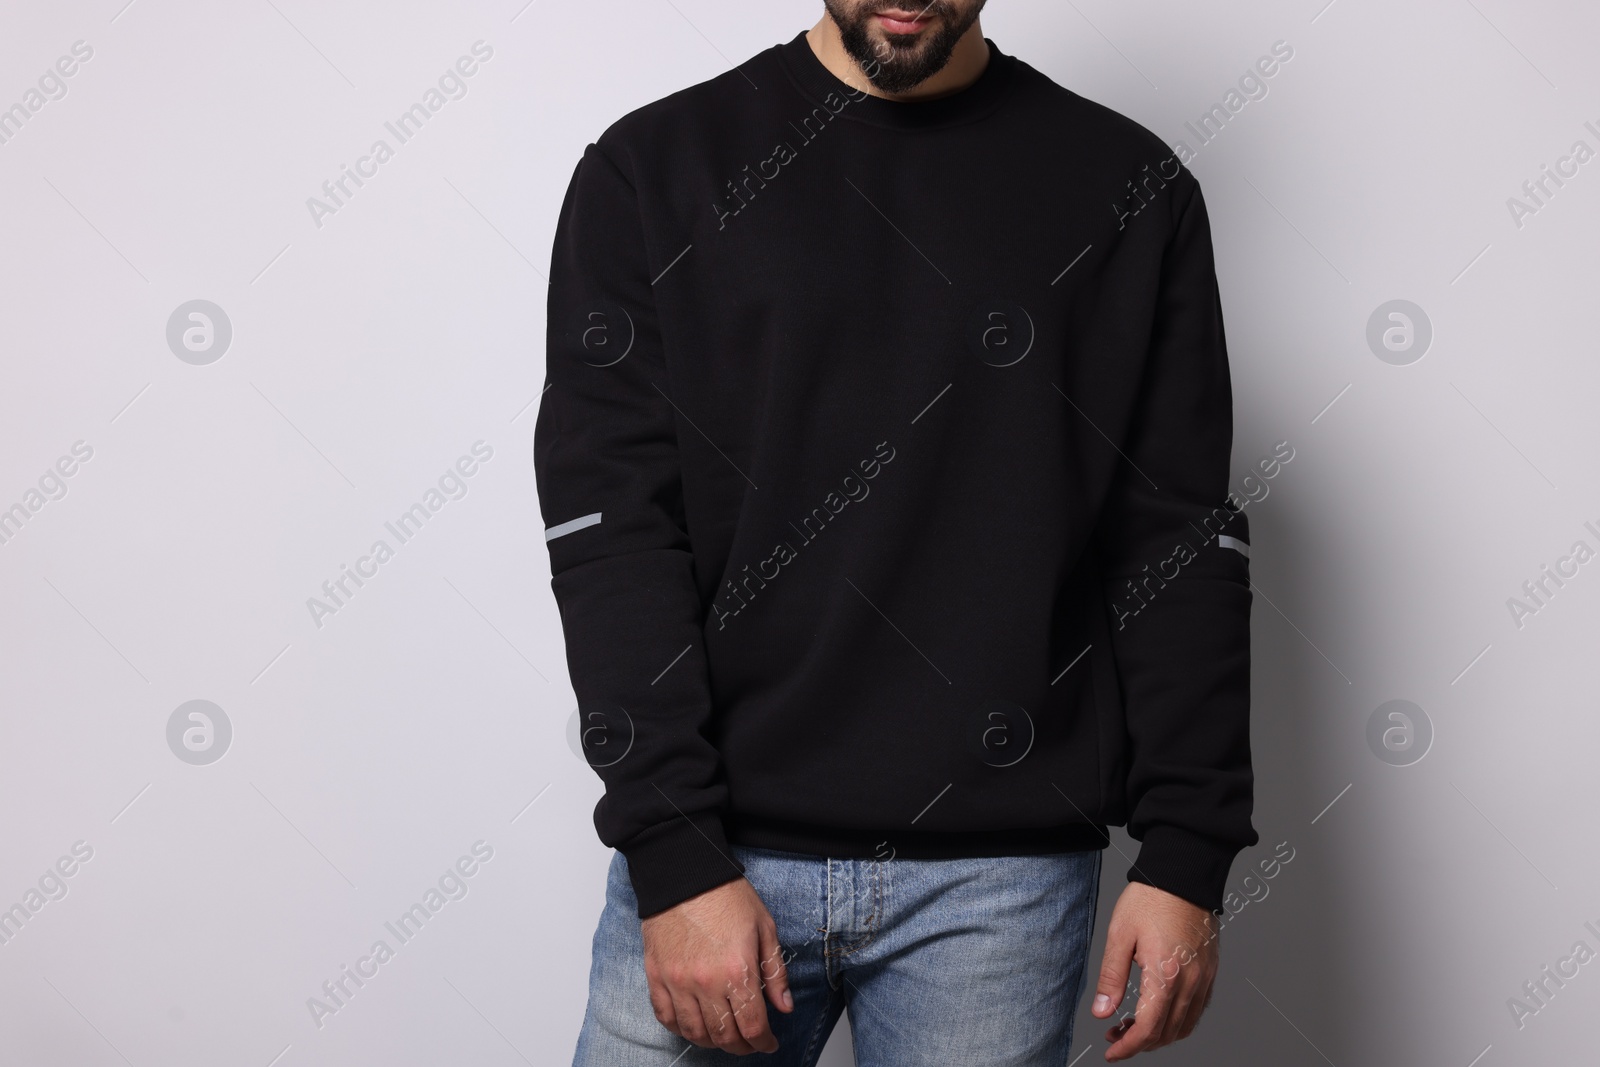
<point x="1174" y="942"/>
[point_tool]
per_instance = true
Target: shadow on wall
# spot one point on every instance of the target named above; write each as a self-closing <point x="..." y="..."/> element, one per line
<point x="1286" y="990"/>
<point x="837" y="1052"/>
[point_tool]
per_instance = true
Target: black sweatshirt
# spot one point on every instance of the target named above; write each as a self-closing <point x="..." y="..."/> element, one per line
<point x="884" y="461"/>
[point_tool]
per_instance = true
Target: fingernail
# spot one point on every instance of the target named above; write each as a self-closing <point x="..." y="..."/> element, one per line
<point x="788" y="1000"/>
<point x="1102" y="1002"/>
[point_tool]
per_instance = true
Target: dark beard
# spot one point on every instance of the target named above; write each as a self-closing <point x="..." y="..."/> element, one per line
<point x="904" y="67"/>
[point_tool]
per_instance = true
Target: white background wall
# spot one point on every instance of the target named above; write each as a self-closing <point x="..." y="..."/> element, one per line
<point x="369" y="353"/>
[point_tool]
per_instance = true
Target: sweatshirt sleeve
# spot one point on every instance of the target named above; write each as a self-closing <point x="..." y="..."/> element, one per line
<point x="1178" y="586"/>
<point x="606" y="463"/>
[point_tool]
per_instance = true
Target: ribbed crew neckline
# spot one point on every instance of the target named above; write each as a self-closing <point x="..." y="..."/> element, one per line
<point x="815" y="81"/>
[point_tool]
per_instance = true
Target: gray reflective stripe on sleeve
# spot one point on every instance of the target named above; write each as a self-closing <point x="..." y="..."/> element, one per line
<point x="1223" y="541"/>
<point x="564" y="528"/>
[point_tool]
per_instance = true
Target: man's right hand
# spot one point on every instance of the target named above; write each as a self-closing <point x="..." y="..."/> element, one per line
<point x="708" y="959"/>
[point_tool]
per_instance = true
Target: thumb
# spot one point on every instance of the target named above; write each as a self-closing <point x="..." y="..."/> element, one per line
<point x="1114" y="969"/>
<point x="774" y="975"/>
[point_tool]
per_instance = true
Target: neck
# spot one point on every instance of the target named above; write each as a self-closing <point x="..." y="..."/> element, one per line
<point x="967" y="62"/>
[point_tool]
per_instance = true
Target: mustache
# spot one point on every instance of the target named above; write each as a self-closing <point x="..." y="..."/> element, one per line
<point x="935" y="9"/>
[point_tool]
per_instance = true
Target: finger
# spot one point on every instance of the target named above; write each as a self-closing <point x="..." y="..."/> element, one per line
<point x="750" y="1018"/>
<point x="722" y="1029"/>
<point x="749" y="1009"/>
<point x="1183" y="998"/>
<point x="1197" y="1006"/>
<point x="1114" y="967"/>
<point x="743" y="993"/>
<point x="1175" y="981"/>
<point x="774" y="974"/>
<point x="1125" y="1015"/>
<point x="691" y="1024"/>
<point x="1149" y="1016"/>
<point x="1115" y="1033"/>
<point x="661" y="1003"/>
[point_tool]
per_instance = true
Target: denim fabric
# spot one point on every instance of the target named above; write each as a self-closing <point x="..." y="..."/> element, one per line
<point x="939" y="962"/>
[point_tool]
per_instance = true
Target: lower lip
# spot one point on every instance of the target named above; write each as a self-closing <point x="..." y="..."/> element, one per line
<point x="900" y="26"/>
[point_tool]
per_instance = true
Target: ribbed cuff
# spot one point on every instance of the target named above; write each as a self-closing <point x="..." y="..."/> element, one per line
<point x="1185" y="865"/>
<point x="673" y="861"/>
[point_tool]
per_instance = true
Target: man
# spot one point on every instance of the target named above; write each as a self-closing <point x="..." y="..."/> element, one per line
<point x="884" y="461"/>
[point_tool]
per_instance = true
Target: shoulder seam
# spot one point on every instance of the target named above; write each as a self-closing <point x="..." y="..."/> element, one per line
<point x="603" y="154"/>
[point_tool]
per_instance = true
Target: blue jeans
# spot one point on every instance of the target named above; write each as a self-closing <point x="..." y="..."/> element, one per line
<point x="939" y="962"/>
